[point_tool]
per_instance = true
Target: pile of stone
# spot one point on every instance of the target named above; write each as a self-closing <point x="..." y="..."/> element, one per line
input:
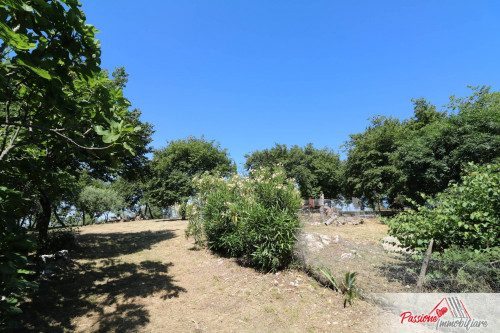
<point x="51" y="264"/>
<point x="315" y="242"/>
<point x="343" y="220"/>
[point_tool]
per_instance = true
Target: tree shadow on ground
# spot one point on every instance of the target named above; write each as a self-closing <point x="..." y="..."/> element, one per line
<point x="105" y="295"/>
<point x="95" y="246"/>
<point x="403" y="269"/>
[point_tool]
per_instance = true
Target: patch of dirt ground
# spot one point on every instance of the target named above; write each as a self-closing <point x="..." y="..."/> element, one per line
<point x="145" y="276"/>
<point x="358" y="248"/>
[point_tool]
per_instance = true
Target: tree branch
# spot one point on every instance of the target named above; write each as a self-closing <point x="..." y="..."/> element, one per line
<point x="11" y="144"/>
<point x="56" y="131"/>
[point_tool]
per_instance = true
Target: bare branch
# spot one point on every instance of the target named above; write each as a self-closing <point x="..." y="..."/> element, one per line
<point x="83" y="147"/>
<point x="56" y="131"/>
<point x="11" y="144"/>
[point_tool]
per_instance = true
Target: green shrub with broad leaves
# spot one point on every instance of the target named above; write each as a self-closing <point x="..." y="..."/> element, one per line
<point x="14" y="249"/>
<point x="254" y="218"/>
<point x="467" y="214"/>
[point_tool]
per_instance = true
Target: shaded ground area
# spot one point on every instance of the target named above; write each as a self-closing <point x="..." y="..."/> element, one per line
<point x="102" y="287"/>
<point x="145" y="276"/>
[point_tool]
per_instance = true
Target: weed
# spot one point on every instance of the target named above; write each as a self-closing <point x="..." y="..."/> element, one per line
<point x="347" y="287"/>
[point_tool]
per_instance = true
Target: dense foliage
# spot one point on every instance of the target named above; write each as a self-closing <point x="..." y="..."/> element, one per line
<point x="174" y="167"/>
<point x="369" y="171"/>
<point x="315" y="170"/>
<point x="96" y="201"/>
<point x="254" y="218"/>
<point x="467" y="214"/>
<point x="14" y="250"/>
<point x="59" y="114"/>
<point x="393" y="161"/>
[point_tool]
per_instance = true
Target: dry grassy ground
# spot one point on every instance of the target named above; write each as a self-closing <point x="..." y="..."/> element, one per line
<point x="147" y="277"/>
<point x="379" y="271"/>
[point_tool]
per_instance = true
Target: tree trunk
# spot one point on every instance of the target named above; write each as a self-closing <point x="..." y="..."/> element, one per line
<point x="184" y="211"/>
<point x="43" y="219"/>
<point x="57" y="217"/>
<point x="83" y="217"/>
<point x="150" y="213"/>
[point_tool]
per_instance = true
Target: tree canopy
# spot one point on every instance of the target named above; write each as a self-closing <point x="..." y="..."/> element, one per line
<point x="392" y="160"/>
<point x="315" y="170"/>
<point x="59" y="112"/>
<point x="174" y="167"/>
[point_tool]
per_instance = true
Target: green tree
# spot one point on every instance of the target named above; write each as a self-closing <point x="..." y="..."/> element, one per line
<point x="96" y="201"/>
<point x="315" y="170"/>
<point x="174" y="167"/>
<point x="58" y="111"/>
<point x="370" y="173"/>
<point x="434" y="153"/>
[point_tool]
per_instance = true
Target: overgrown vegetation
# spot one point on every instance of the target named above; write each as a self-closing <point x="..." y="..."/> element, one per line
<point x="467" y="214"/>
<point x="254" y="218"/>
<point x="60" y="113"/>
<point x="72" y="150"/>
<point x="393" y="161"/>
<point x="459" y="269"/>
<point x="15" y="247"/>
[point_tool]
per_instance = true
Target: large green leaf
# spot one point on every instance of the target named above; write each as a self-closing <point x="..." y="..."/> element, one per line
<point x="41" y="72"/>
<point x="15" y="40"/>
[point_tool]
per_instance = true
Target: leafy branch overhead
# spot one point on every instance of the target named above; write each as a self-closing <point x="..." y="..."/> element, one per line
<point x="51" y="82"/>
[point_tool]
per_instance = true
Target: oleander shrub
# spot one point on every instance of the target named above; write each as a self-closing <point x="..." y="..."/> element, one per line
<point x="254" y="218"/>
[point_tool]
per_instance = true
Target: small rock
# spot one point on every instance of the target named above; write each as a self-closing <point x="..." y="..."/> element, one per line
<point x="46" y="258"/>
<point x="63" y="254"/>
<point x="347" y="256"/>
<point x="325" y="239"/>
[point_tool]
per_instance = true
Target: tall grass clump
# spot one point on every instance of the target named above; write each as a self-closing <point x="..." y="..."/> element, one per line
<point x="254" y="218"/>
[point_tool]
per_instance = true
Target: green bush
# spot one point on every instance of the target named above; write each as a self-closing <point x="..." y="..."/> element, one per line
<point x="467" y="214"/>
<point x="14" y="249"/>
<point x="254" y="218"/>
<point x="59" y="239"/>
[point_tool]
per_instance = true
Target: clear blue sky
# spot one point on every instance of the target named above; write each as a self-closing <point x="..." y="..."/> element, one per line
<point x="252" y="73"/>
